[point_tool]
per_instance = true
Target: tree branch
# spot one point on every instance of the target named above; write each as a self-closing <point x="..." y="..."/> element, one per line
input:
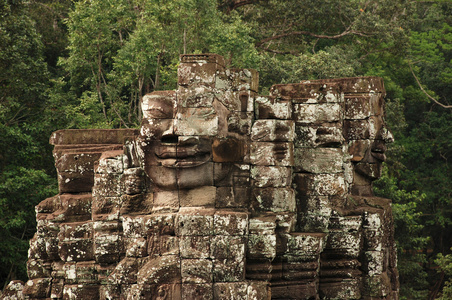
<point x="425" y="92"/>
<point x="279" y="52"/>
<point x="230" y="5"/>
<point x="320" y="36"/>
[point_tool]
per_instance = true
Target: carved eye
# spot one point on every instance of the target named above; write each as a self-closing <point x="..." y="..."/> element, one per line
<point x="159" y="113"/>
<point x="157" y="107"/>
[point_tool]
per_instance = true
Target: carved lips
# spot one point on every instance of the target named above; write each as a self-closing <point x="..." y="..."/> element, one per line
<point x="378" y="151"/>
<point x="188" y="153"/>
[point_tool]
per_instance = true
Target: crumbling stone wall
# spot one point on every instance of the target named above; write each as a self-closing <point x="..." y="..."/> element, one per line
<point x="222" y="194"/>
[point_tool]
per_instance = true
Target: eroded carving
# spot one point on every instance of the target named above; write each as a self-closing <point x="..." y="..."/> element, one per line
<point x="223" y="194"/>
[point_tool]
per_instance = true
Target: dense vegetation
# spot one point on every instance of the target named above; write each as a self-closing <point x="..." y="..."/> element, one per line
<point x="80" y="64"/>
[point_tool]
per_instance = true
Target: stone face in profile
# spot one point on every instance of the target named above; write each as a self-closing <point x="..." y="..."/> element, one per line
<point x="223" y="194"/>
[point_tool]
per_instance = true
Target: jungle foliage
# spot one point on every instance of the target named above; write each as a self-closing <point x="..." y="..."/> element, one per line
<point x="86" y="63"/>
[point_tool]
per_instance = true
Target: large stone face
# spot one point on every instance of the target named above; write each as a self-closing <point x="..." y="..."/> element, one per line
<point x="222" y="194"/>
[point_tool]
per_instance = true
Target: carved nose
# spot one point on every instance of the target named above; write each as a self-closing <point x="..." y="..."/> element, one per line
<point x="170" y="139"/>
<point x="168" y="136"/>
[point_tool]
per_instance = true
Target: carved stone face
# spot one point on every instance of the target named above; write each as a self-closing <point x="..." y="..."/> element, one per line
<point x="367" y="144"/>
<point x="185" y="145"/>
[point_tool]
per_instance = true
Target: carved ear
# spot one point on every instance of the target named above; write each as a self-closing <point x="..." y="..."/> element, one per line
<point x="227" y="150"/>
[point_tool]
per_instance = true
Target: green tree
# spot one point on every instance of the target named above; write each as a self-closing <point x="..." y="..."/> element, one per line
<point x="24" y="162"/>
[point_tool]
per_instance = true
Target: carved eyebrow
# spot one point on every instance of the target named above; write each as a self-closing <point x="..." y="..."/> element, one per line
<point x="160" y="109"/>
<point x="159" y="113"/>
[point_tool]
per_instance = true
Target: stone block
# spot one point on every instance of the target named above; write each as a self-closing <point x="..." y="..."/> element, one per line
<point x="223" y="174"/>
<point x="158" y="105"/>
<point x="271" y="176"/>
<point x="151" y="131"/>
<point x="317" y="113"/>
<point x="261" y="246"/>
<point x="86" y="272"/>
<point x="107" y="185"/>
<point x="160" y="270"/>
<point x="229" y="98"/>
<point x="240" y="122"/>
<point x="194" y="221"/>
<point x="323" y="135"/>
<point x="228" y="247"/>
<point x="37" y="288"/>
<point x="56" y="290"/>
<point x="48" y="205"/>
<point x="108" y="247"/>
<point x="195" y="246"/>
<point x="244" y="79"/>
<point x="38" y="269"/>
<point x="200" y="96"/>
<point x="193" y="291"/>
<point x="135" y="247"/>
<point x="346" y="223"/>
<point x="228" y="270"/>
<point x="204" y="196"/>
<point x="345" y="243"/>
<point x="191" y="177"/>
<point x="230" y="223"/>
<point x="230" y="290"/>
<point x="273" y="130"/>
<point x="357" y="129"/>
<point x="320" y="184"/>
<point x="196" y="271"/>
<point x="273" y="108"/>
<point x="377" y="286"/>
<point x="90" y="137"/>
<point x="226" y="150"/>
<point x="224" y="197"/>
<point x="341" y="289"/>
<point x="168" y="199"/>
<point x="309" y="91"/>
<point x="258" y="290"/>
<point x="80" y="291"/>
<point x="374" y="263"/>
<point x="58" y="271"/>
<point x="74" y="208"/>
<point x="125" y="272"/>
<point x="160" y="224"/>
<point x="75" y="231"/>
<point x="263" y="224"/>
<point x="110" y="162"/>
<point x="76" y="250"/>
<point x="75" y="170"/>
<point x="106" y="207"/>
<point x="358" y="107"/>
<point x="200" y="71"/>
<point x="273" y="199"/>
<point x="162" y="245"/>
<point x="289" y="290"/>
<point x="38" y="248"/>
<point x="201" y="121"/>
<point x="285" y="222"/>
<point x="133" y="226"/>
<point x="306" y="244"/>
<point x="272" y="154"/>
<point x="316" y="213"/>
<point x="296" y="271"/>
<point x="14" y="290"/>
<point x="358" y="149"/>
<point x="133" y="181"/>
<point x="318" y="160"/>
<point x="259" y="269"/>
<point x="320" y="205"/>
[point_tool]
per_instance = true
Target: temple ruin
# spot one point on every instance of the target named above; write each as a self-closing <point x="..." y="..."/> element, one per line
<point x="222" y="194"/>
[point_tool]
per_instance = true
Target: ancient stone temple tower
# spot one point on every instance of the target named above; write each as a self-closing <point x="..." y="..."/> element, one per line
<point x="222" y="194"/>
